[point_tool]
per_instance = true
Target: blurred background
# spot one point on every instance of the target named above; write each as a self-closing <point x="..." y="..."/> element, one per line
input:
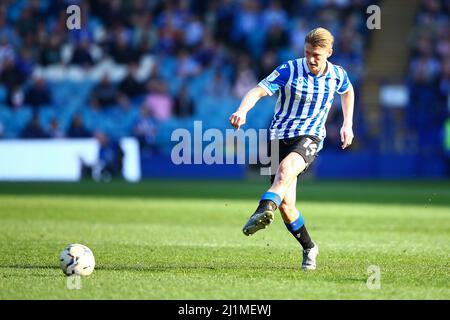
<point x="102" y="101"/>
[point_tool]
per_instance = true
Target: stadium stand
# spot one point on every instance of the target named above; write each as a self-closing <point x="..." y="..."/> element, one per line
<point x="143" y="68"/>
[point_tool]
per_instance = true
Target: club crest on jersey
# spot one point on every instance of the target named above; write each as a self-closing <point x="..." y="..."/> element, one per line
<point x="273" y="75"/>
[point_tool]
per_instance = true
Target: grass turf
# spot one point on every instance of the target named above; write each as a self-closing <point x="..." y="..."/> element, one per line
<point x="183" y="240"/>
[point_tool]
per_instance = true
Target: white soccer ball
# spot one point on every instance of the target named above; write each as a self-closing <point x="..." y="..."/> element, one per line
<point x="77" y="259"/>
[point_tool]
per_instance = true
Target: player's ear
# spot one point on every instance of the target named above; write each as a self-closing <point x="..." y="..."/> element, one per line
<point x="330" y="52"/>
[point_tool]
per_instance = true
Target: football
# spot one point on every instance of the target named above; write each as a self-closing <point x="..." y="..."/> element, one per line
<point x="77" y="259"/>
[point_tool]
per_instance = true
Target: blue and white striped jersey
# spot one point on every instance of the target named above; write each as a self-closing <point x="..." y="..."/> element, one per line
<point x="304" y="99"/>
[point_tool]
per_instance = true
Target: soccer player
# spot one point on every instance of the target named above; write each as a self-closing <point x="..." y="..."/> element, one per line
<point x="306" y="89"/>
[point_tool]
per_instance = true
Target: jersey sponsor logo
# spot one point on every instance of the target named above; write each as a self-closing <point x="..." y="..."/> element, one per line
<point x="273" y="75"/>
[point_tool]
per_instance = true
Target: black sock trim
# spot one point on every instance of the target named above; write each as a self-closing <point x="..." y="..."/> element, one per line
<point x="303" y="238"/>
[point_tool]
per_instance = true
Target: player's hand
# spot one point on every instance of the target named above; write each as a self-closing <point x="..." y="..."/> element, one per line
<point x="237" y="119"/>
<point x="346" y="136"/>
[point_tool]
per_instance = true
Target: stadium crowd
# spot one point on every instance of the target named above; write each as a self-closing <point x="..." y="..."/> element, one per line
<point x="199" y="49"/>
<point x="429" y="75"/>
<point x="144" y="67"/>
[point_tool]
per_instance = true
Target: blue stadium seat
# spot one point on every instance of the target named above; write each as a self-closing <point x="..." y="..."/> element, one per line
<point x="3" y="94"/>
<point x="19" y="119"/>
<point x="119" y="123"/>
<point x="46" y="114"/>
<point x="167" y="67"/>
<point x="94" y="121"/>
<point x="5" y="113"/>
<point x="61" y="91"/>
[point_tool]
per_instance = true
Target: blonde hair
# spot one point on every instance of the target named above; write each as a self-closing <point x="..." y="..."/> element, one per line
<point x="320" y="37"/>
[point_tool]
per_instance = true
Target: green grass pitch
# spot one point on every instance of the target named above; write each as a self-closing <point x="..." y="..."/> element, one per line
<point x="183" y="240"/>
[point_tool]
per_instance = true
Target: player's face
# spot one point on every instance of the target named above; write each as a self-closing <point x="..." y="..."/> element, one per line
<point x="316" y="57"/>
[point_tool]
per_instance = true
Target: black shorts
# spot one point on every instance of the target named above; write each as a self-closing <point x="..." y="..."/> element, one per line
<point x="306" y="146"/>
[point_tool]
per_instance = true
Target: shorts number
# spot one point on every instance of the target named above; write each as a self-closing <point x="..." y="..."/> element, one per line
<point x="311" y="148"/>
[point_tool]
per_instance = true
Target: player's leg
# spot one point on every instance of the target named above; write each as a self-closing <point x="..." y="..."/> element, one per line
<point x="291" y="166"/>
<point x="287" y="173"/>
<point x="295" y="223"/>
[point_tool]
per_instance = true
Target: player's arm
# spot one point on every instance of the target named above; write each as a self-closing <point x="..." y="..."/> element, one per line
<point x="238" y="118"/>
<point x="268" y="86"/>
<point x="347" y="102"/>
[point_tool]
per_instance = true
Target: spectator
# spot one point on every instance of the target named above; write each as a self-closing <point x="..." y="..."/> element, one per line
<point x="244" y="82"/>
<point x="51" y="52"/>
<point x="93" y="117"/>
<point x="77" y="128"/>
<point x="224" y="20"/>
<point x="38" y="94"/>
<point x="194" y="32"/>
<point x="34" y="130"/>
<point x="121" y="50"/>
<point x="425" y="69"/>
<point x="55" y="129"/>
<point x="81" y="55"/>
<point x="6" y="51"/>
<point x="276" y="38"/>
<point x="208" y="52"/>
<point x="349" y="53"/>
<point x="105" y="92"/>
<point x="184" y="105"/>
<point x="130" y="85"/>
<point x="112" y="12"/>
<point x="268" y="63"/>
<point x="274" y="15"/>
<point x="144" y="36"/>
<point x="297" y="35"/>
<point x="16" y="97"/>
<point x="187" y="66"/>
<point x="219" y="88"/>
<point x="443" y="46"/>
<point x="27" y="21"/>
<point x="11" y="75"/>
<point x="158" y="101"/>
<point x="155" y="74"/>
<point x="25" y="62"/>
<point x="444" y="84"/>
<point x="169" y="39"/>
<point x="245" y="78"/>
<point x="110" y="158"/>
<point x="247" y="21"/>
<point x="145" y="130"/>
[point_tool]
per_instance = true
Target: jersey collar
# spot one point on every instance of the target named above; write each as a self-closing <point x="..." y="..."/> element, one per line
<point x="305" y="65"/>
